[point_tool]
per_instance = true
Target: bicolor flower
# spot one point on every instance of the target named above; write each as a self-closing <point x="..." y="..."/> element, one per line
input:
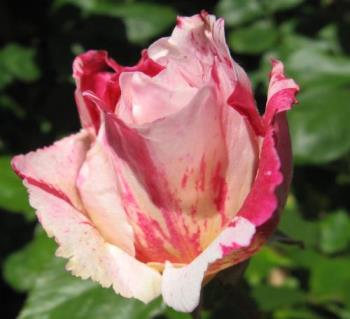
<point x="174" y="176"/>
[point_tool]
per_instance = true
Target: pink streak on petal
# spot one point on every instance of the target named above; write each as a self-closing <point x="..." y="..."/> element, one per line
<point x="43" y="167"/>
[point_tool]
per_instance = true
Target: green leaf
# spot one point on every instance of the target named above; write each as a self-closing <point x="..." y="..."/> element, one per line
<point x="13" y="196"/>
<point x="255" y="38"/>
<point x="8" y="103"/>
<point x="292" y="313"/>
<point x="57" y="294"/>
<point x="293" y="224"/>
<point x="335" y="232"/>
<point x="23" y="267"/>
<point x="278" y="5"/>
<point x="312" y="66"/>
<point x="239" y="11"/>
<point x="172" y="314"/>
<point x="17" y="62"/>
<point x="330" y="279"/>
<point x="319" y="125"/>
<point x="143" y="21"/>
<point x="271" y="298"/>
<point x="262" y="263"/>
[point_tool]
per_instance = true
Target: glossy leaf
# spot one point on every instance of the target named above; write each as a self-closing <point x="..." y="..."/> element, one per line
<point x="319" y="124"/>
<point x="312" y="66"/>
<point x="253" y="39"/>
<point x="330" y="279"/>
<point x="57" y="294"/>
<point x="239" y="11"/>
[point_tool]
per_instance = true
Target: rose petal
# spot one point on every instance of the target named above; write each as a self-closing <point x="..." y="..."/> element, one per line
<point x="44" y="166"/>
<point x="97" y="183"/>
<point x="88" y="253"/>
<point x="94" y="71"/>
<point x="180" y="162"/>
<point x="181" y="286"/>
<point x="281" y="93"/>
<point x="145" y="99"/>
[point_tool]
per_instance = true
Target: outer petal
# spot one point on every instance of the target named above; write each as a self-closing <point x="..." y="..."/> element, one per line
<point x="259" y="212"/>
<point x="50" y="175"/>
<point x="98" y="187"/>
<point x="181" y="286"/>
<point x="281" y="93"/>
<point x="89" y="255"/>
<point x="44" y="167"/>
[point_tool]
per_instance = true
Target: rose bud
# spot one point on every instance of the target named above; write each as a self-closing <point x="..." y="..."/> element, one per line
<point x="174" y="176"/>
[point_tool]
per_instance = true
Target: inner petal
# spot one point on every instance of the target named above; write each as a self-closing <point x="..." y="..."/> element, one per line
<point x="145" y="99"/>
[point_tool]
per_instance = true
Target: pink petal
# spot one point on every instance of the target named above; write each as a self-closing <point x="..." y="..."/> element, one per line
<point x="90" y="256"/>
<point x="97" y="183"/>
<point x="43" y="167"/>
<point x="181" y="286"/>
<point x="145" y="99"/>
<point x="94" y="71"/>
<point x="181" y="163"/>
<point x="281" y="93"/>
<point x="242" y="100"/>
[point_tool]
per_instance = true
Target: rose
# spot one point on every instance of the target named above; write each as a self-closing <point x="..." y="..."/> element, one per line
<point x="174" y="176"/>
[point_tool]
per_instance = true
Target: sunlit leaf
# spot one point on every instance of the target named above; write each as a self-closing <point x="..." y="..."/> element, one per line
<point x="330" y="279"/>
<point x="253" y="39"/>
<point x="239" y="11"/>
<point x="319" y="125"/>
<point x="57" y="294"/>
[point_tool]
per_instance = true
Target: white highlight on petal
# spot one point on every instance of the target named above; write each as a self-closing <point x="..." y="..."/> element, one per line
<point x="181" y="286"/>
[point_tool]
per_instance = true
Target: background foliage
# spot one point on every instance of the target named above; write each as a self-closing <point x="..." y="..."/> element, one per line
<point x="39" y="42"/>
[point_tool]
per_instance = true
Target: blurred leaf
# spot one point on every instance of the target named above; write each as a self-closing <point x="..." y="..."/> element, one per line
<point x="239" y="11"/>
<point x="57" y="294"/>
<point x="271" y="298"/>
<point x="311" y="66"/>
<point x="255" y="38"/>
<point x="293" y="224"/>
<point x="172" y="314"/>
<point x="295" y="313"/>
<point x="23" y="267"/>
<point x="143" y="20"/>
<point x="262" y="263"/>
<point x="330" y="279"/>
<point x="17" y="62"/>
<point x="319" y="125"/>
<point x="277" y="5"/>
<point x="13" y="196"/>
<point x="8" y="103"/>
<point x="335" y="232"/>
